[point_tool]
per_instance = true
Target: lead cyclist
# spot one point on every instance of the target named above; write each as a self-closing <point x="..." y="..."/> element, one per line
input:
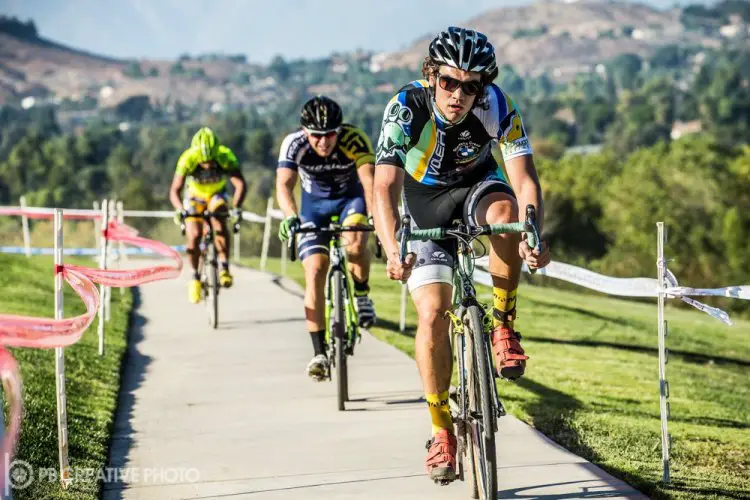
<point x="441" y="131"/>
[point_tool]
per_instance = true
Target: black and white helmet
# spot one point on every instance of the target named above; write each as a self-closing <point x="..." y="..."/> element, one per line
<point x="321" y="114"/>
<point x="464" y="49"/>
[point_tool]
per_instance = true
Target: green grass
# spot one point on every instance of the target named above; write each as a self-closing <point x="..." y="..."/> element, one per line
<point x="92" y="382"/>
<point x="592" y="386"/>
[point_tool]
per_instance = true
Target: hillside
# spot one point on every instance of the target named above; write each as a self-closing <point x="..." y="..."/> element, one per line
<point x="561" y="39"/>
<point x="566" y="38"/>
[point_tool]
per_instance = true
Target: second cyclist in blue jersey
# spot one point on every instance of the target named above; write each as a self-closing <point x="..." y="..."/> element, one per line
<point x="435" y="152"/>
<point x="334" y="162"/>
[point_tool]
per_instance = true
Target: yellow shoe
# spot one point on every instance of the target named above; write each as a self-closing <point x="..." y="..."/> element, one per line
<point x="225" y="279"/>
<point x="194" y="291"/>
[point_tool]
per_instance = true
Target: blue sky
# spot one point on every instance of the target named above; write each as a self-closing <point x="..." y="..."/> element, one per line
<point x="260" y="29"/>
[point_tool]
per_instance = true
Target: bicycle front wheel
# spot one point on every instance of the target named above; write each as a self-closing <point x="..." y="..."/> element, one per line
<point x="482" y="428"/>
<point x="338" y="337"/>
<point x="212" y="295"/>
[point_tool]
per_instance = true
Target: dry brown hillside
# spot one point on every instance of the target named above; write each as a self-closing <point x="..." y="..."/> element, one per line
<point x="41" y="68"/>
<point x="563" y="37"/>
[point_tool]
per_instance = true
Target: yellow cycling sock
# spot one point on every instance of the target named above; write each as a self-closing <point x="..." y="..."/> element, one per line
<point x="503" y="301"/>
<point x="440" y="412"/>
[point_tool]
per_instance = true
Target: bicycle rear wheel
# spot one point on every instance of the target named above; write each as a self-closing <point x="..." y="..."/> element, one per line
<point x="338" y="337"/>
<point x="482" y="407"/>
<point x="212" y="295"/>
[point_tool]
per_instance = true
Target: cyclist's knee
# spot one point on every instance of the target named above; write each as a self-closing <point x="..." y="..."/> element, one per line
<point x="316" y="265"/>
<point x="193" y="233"/>
<point x="497" y="208"/>
<point x="431" y="302"/>
<point x="357" y="249"/>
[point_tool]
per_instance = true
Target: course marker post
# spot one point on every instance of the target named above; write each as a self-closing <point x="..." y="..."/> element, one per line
<point x="266" y="235"/>
<point x="112" y="215"/>
<point x="62" y="416"/>
<point x="26" y="231"/>
<point x="97" y="227"/>
<point x="102" y="265"/>
<point x="661" y="266"/>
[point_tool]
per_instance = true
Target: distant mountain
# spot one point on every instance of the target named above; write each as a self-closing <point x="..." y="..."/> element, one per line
<point x="561" y="38"/>
<point x="566" y="37"/>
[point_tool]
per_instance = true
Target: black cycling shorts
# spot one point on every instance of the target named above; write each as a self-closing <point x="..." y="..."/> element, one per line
<point x="439" y="207"/>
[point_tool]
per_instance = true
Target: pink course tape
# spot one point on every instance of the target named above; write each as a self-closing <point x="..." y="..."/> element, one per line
<point x="42" y="333"/>
<point x="34" y="214"/>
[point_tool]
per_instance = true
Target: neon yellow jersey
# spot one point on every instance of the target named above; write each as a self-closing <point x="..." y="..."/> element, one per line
<point x="206" y="182"/>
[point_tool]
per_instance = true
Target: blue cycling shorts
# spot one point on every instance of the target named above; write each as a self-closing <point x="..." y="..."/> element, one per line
<point x="317" y="212"/>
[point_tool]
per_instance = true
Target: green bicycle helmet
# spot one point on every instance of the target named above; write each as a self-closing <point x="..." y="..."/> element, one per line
<point x="207" y="143"/>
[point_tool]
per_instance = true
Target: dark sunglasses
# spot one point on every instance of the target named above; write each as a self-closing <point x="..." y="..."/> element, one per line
<point x="451" y="84"/>
<point x="329" y="135"/>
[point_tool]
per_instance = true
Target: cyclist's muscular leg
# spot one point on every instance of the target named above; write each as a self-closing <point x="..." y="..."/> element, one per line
<point x="316" y="267"/>
<point x="435" y="363"/>
<point x="505" y="268"/>
<point x="433" y="350"/>
<point x="222" y="249"/>
<point x="358" y="256"/>
<point x="359" y="259"/>
<point x="193" y="233"/>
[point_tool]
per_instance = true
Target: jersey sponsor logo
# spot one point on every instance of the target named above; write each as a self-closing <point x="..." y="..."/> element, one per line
<point x="511" y="127"/>
<point x="327" y="167"/>
<point x="394" y="132"/>
<point x="437" y="157"/>
<point x="515" y="147"/>
<point x="294" y="147"/>
<point x="466" y="149"/>
<point x="353" y="142"/>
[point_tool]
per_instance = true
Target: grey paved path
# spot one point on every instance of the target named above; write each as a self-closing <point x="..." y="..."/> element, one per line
<point x="230" y="413"/>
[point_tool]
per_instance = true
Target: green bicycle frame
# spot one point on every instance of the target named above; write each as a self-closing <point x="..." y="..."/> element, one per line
<point x="338" y="261"/>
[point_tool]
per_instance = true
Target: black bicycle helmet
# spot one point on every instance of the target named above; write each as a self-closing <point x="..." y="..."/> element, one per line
<point x="464" y="49"/>
<point x="321" y="114"/>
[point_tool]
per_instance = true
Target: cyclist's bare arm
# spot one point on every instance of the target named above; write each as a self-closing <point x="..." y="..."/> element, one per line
<point x="286" y="179"/>
<point x="525" y="182"/>
<point x="389" y="181"/>
<point x="240" y="188"/>
<point x="366" y="174"/>
<point x="178" y="182"/>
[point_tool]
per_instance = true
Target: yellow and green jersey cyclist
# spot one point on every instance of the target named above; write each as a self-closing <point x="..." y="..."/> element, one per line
<point x="203" y="171"/>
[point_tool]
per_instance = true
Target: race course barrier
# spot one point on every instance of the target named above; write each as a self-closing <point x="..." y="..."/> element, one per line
<point x="33" y="332"/>
<point x="662" y="288"/>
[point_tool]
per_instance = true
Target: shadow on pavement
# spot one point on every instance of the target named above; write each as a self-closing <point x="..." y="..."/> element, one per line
<point x="134" y="367"/>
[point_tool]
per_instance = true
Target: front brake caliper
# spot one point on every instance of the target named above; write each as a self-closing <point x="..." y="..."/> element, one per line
<point x="458" y="327"/>
<point x="487" y="322"/>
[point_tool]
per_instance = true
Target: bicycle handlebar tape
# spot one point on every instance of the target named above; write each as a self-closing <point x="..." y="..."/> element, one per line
<point x="378" y="248"/>
<point x="405" y="231"/>
<point x="292" y="245"/>
<point x="532" y="232"/>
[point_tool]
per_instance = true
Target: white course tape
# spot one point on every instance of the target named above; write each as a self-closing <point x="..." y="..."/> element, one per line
<point x="630" y="287"/>
<point x="277" y="214"/>
<point x="625" y="287"/>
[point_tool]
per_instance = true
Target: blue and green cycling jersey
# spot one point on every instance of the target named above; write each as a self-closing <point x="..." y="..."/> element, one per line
<point x="416" y="137"/>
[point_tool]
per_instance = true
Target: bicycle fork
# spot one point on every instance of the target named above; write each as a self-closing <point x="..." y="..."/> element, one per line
<point x="487" y="338"/>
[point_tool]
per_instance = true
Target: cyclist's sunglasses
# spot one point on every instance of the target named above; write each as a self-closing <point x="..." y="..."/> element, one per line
<point x="329" y="134"/>
<point x="451" y="84"/>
